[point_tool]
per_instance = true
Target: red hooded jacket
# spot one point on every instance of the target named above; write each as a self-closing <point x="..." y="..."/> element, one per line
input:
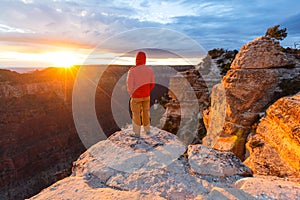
<point x="140" y="78"/>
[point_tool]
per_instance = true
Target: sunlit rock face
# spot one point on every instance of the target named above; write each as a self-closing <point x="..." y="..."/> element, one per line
<point x="161" y="166"/>
<point x="260" y="53"/>
<point x="275" y="149"/>
<point x="256" y="80"/>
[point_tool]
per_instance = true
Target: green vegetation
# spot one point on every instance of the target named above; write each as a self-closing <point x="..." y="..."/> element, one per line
<point x="276" y="33"/>
<point x="292" y="51"/>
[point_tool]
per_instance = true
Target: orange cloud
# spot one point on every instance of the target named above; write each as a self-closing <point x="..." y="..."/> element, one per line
<point x="30" y="41"/>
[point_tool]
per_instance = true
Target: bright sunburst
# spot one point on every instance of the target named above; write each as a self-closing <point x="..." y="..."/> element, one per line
<point x="62" y="59"/>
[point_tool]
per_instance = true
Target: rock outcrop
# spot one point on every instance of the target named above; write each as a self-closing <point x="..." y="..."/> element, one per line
<point x="275" y="148"/>
<point x="187" y="91"/>
<point x="256" y="80"/>
<point x="261" y="53"/>
<point x="157" y="167"/>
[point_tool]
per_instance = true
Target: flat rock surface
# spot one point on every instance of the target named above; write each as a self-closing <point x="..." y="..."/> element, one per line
<point x="269" y="188"/>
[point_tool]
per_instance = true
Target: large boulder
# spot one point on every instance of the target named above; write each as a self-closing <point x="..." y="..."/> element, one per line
<point x="275" y="149"/>
<point x="245" y="92"/>
<point x="211" y="162"/>
<point x="262" y="52"/>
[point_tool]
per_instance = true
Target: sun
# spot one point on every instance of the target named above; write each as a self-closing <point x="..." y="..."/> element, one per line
<point x="62" y="59"/>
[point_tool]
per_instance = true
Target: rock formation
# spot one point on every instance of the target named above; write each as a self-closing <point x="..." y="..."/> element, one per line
<point x="275" y="148"/>
<point x="260" y="74"/>
<point x="187" y="90"/>
<point x="157" y="167"/>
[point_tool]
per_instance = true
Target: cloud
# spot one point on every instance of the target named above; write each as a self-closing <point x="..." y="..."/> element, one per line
<point x="8" y="29"/>
<point x="27" y="1"/>
<point x="38" y="41"/>
<point x="87" y="23"/>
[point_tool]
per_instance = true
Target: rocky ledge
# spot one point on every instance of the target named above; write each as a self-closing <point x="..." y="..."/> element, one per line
<point x="160" y="166"/>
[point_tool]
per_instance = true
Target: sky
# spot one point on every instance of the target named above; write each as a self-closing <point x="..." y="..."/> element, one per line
<point x="42" y="33"/>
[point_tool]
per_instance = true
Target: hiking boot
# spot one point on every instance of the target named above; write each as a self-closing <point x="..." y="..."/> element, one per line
<point x="135" y="135"/>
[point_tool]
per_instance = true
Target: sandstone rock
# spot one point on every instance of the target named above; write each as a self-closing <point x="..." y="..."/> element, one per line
<point x="265" y="160"/>
<point x="228" y="193"/>
<point x="274" y="150"/>
<point x="262" y="52"/>
<point x="156" y="167"/>
<point x="269" y="188"/>
<point x="151" y="165"/>
<point x="210" y="71"/>
<point x="189" y="97"/>
<point x="211" y="162"/>
<point x="79" y="188"/>
<point x="148" y="164"/>
<point x="243" y="94"/>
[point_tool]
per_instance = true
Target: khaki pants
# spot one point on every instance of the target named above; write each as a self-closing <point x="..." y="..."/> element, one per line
<point x="140" y="108"/>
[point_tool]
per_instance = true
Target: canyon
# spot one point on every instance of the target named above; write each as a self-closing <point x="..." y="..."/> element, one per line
<point x="251" y="118"/>
<point x="39" y="140"/>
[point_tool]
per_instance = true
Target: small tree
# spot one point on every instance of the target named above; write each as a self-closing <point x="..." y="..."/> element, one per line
<point x="276" y="33"/>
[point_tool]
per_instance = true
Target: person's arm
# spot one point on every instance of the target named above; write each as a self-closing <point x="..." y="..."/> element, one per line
<point x="130" y="82"/>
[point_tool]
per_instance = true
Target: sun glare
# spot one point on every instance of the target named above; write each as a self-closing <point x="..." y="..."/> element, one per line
<point x="62" y="59"/>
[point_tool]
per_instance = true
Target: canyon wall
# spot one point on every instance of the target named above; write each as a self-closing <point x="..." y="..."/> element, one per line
<point x="38" y="138"/>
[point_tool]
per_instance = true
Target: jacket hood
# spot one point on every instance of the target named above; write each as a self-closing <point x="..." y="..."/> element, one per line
<point x="140" y="58"/>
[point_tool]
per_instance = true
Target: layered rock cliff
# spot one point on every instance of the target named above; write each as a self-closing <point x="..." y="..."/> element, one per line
<point x="259" y="75"/>
<point x="275" y="148"/>
<point x="160" y="166"/>
<point x="38" y="138"/>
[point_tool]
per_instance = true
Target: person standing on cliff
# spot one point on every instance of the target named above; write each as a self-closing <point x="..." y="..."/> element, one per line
<point x="140" y="81"/>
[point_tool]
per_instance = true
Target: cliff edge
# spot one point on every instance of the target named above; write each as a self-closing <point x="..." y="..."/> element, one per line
<point x="160" y="166"/>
